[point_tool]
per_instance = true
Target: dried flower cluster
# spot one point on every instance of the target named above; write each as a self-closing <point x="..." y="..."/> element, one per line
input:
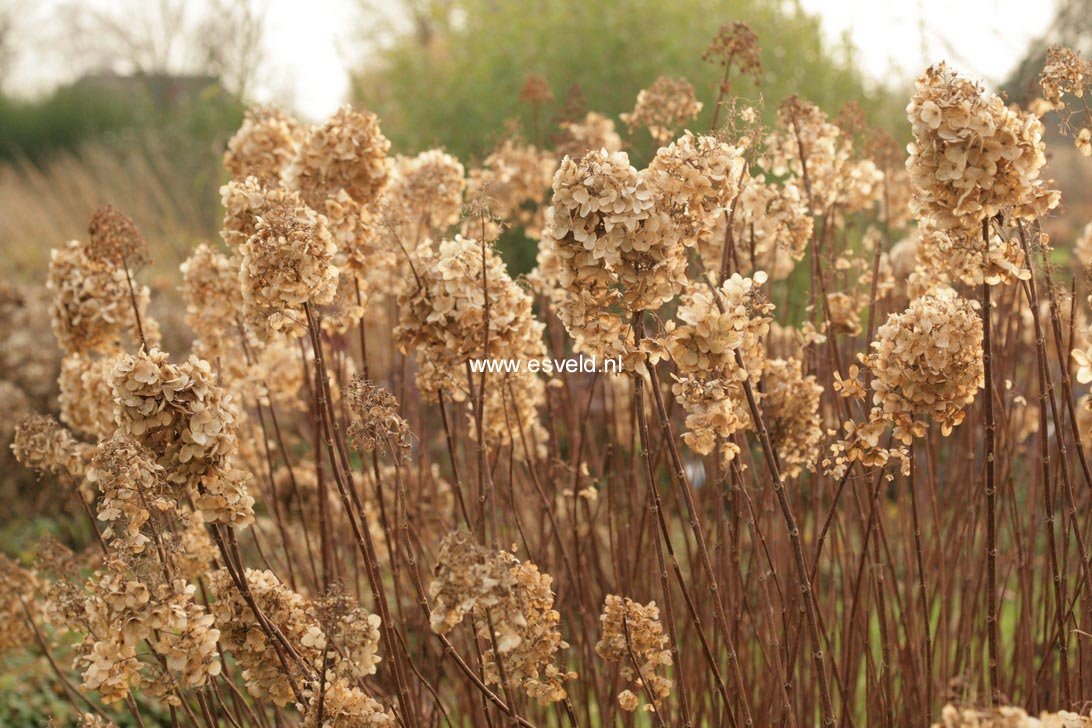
<point x="633" y="636"/>
<point x="664" y="108"/>
<point x="513" y="605"/>
<point x="927" y="364"/>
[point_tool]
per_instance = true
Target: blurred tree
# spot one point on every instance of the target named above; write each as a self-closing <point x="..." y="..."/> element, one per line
<point x="449" y="72"/>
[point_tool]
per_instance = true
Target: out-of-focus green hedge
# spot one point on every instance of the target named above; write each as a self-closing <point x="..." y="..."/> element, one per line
<point x="452" y="76"/>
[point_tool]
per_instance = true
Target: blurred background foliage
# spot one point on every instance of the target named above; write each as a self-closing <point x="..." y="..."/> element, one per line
<point x="451" y="75"/>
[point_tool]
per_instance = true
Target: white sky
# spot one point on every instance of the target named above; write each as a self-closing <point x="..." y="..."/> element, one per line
<point x="310" y="44"/>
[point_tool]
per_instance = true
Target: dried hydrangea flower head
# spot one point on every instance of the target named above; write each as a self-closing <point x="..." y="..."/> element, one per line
<point x="1066" y="72"/>
<point x="697" y="178"/>
<point x="429" y="189"/>
<point x="613" y="247"/>
<point x="516" y="598"/>
<point x="376" y="422"/>
<point x="664" y="108"/>
<point x="972" y="157"/>
<point x="85" y="397"/>
<point x="91" y="309"/>
<point x="131" y="486"/>
<point x="264" y="145"/>
<point x="926" y="364"/>
<point x="536" y="90"/>
<point x="214" y="299"/>
<point x="712" y="326"/>
<point x="114" y="239"/>
<point x="243" y="636"/>
<point x="1008" y="717"/>
<point x="188" y="424"/>
<point x="348" y="153"/>
<point x="771" y="228"/>
<point x="286" y="263"/>
<point x="819" y="156"/>
<point x="735" y="46"/>
<point x="791" y="413"/>
<point x="443" y="318"/>
<point x="578" y="137"/>
<point x="344" y="705"/>
<point x="632" y="633"/>
<point x="124" y="615"/>
<point x="513" y="182"/>
<point x="19" y="589"/>
<point x="951" y="255"/>
<point x="43" y="445"/>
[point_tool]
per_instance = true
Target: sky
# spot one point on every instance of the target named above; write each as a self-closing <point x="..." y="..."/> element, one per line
<point x="311" y="44"/>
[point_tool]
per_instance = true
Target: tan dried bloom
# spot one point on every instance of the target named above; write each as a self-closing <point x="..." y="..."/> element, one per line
<point x="1007" y="717"/>
<point x="242" y="635"/>
<point x="1065" y="72"/>
<point x="712" y="326"/>
<point x="264" y="145"/>
<point x="697" y="178"/>
<point x="770" y="232"/>
<point x="611" y="248"/>
<point x="286" y="263"/>
<point x="429" y="190"/>
<point x="188" y="424"/>
<point x="791" y="404"/>
<point x="443" y="318"/>
<point x="633" y="636"/>
<point x="345" y="706"/>
<point x="536" y="90"/>
<point x="666" y="106"/>
<point x="958" y="255"/>
<point x="972" y="157"/>
<point x="42" y="445"/>
<point x="594" y="131"/>
<point x="214" y="299"/>
<point x="927" y="364"/>
<point x="376" y="422"/>
<point x="131" y="486"/>
<point x="86" y="398"/>
<point x="819" y="156"/>
<point x="736" y="46"/>
<point x="91" y="308"/>
<point x="348" y="152"/>
<point x="512" y="184"/>
<point x="18" y="590"/>
<point x="115" y="240"/>
<point x="513" y="596"/>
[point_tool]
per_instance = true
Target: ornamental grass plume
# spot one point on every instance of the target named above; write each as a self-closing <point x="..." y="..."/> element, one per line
<point x="633" y="636"/>
<point x="927" y="364"/>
